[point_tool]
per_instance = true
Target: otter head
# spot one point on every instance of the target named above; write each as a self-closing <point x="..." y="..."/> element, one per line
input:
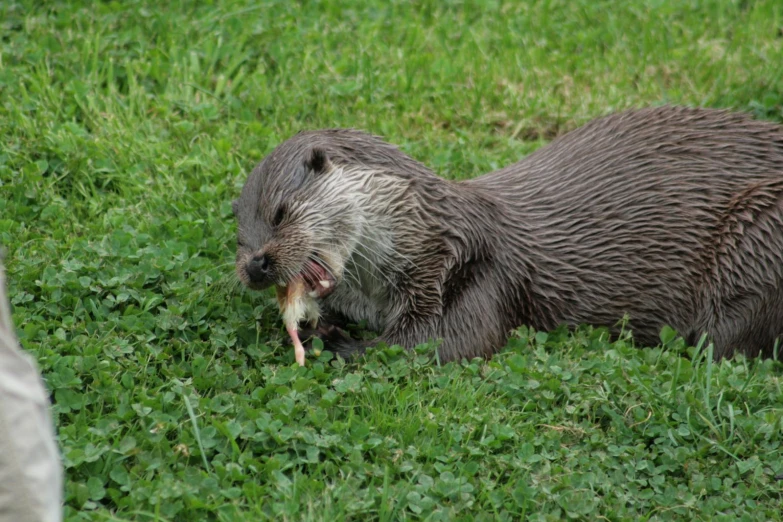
<point x="300" y="214"/>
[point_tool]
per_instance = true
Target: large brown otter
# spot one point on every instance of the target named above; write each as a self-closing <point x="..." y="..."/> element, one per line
<point x="673" y="216"/>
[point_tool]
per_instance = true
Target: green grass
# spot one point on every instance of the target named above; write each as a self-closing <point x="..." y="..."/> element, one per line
<point x="126" y="128"/>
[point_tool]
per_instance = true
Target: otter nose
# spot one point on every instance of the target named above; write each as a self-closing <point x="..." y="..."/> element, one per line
<point x="258" y="269"/>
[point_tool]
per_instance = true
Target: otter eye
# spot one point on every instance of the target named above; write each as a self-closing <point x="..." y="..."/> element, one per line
<point x="279" y="215"/>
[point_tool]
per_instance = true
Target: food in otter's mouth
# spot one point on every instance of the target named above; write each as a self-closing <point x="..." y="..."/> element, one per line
<point x="297" y="302"/>
<point x="296" y="306"/>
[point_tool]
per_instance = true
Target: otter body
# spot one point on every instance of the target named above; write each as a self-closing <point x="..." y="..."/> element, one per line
<point x="670" y="215"/>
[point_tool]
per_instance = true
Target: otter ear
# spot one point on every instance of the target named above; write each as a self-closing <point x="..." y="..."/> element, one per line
<point x="235" y="207"/>
<point x="318" y="161"/>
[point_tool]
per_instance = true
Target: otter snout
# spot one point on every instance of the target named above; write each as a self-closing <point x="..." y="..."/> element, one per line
<point x="259" y="271"/>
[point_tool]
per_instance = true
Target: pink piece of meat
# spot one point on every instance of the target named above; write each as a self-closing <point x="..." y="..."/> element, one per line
<point x="287" y="297"/>
<point x="299" y="351"/>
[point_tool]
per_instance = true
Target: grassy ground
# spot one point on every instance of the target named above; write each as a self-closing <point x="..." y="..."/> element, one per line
<point x="126" y="128"/>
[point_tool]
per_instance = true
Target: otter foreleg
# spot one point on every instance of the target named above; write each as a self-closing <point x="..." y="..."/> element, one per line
<point x="474" y="325"/>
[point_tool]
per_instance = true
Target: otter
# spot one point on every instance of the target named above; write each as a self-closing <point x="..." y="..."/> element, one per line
<point x="666" y="216"/>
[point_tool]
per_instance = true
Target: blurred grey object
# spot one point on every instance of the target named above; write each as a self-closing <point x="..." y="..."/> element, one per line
<point x="31" y="476"/>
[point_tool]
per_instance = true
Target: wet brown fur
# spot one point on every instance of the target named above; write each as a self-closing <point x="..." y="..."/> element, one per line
<point x="673" y="216"/>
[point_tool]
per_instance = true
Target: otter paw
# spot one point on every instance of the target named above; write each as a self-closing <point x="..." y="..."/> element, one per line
<point x="327" y="333"/>
<point x="349" y="348"/>
<point x="334" y="339"/>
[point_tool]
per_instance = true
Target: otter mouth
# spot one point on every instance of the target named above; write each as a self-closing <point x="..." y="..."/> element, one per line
<point x="318" y="280"/>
